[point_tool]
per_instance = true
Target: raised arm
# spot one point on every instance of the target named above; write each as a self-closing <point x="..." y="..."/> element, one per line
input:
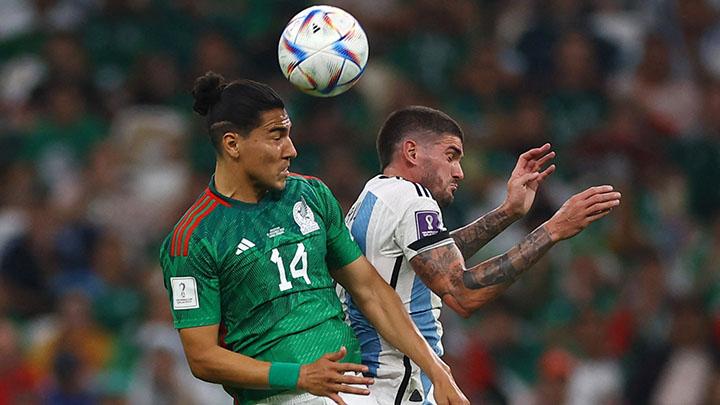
<point x="521" y="190"/>
<point x="210" y="362"/>
<point x="443" y="270"/>
<point x="382" y="306"/>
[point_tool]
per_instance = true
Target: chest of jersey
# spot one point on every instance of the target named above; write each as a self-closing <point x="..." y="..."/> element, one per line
<point x="271" y="250"/>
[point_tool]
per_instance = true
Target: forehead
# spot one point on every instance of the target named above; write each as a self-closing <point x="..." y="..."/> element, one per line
<point x="448" y="140"/>
<point x="274" y="118"/>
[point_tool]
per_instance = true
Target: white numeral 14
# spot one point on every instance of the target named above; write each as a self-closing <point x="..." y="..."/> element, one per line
<point x="298" y="267"/>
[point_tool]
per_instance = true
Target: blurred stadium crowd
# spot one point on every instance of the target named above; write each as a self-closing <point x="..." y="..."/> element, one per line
<point x="100" y="154"/>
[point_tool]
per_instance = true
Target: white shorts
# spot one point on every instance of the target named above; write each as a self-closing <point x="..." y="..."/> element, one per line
<point x="307" y="398"/>
<point x="310" y="399"/>
<point x="402" y="383"/>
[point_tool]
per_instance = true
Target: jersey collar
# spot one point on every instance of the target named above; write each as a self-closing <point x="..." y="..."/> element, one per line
<point x="227" y="201"/>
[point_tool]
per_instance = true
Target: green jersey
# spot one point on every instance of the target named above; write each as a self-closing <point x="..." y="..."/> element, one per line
<point x="261" y="271"/>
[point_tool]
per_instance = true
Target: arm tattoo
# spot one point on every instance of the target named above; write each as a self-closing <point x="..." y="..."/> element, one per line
<point x="507" y="267"/>
<point x="440" y="268"/>
<point x="470" y="238"/>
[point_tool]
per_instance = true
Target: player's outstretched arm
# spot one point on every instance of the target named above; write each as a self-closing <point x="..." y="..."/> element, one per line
<point x="521" y="190"/>
<point x="382" y="306"/>
<point x="443" y="269"/>
<point x="210" y="362"/>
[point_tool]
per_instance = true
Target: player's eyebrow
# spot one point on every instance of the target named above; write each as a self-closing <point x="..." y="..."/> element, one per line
<point x="283" y="125"/>
<point x="455" y="150"/>
<point x="279" y="128"/>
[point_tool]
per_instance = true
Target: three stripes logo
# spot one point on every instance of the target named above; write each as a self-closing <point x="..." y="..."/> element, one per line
<point x="243" y="246"/>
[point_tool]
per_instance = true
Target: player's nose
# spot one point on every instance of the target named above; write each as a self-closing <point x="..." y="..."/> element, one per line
<point x="289" y="151"/>
<point x="457" y="172"/>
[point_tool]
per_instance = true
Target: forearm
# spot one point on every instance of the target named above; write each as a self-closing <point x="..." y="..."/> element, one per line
<point x="221" y="366"/>
<point x="503" y="270"/>
<point x="473" y="236"/>
<point x="225" y="367"/>
<point x="389" y="316"/>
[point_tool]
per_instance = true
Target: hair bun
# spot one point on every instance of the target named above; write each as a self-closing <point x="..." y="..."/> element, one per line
<point x="207" y="91"/>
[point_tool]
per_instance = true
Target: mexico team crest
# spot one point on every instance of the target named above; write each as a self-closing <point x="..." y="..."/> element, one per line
<point x="304" y="217"/>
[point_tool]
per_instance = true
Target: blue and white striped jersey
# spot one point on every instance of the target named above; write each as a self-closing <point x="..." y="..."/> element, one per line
<point x="392" y="221"/>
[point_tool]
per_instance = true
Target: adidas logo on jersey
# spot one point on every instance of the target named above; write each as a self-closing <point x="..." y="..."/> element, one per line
<point x="243" y="246"/>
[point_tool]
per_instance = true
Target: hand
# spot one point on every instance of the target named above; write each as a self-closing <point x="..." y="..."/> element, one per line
<point x="446" y="390"/>
<point x="326" y="377"/>
<point x="580" y="210"/>
<point x="525" y="179"/>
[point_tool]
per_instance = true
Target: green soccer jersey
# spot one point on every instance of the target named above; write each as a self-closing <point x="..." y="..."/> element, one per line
<point x="261" y="272"/>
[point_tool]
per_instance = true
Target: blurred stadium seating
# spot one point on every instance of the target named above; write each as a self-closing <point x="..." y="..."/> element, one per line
<point x="100" y="154"/>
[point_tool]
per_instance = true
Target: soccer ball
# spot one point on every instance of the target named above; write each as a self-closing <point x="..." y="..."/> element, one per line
<point x="323" y="51"/>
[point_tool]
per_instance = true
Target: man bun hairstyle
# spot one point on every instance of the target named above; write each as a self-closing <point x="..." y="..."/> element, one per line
<point x="232" y="106"/>
<point x="207" y="91"/>
<point x="413" y="120"/>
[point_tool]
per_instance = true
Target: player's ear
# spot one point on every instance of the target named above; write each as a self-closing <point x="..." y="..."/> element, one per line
<point x="231" y="144"/>
<point x="409" y="151"/>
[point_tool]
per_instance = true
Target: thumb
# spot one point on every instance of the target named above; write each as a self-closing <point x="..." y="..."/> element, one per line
<point x="338" y="355"/>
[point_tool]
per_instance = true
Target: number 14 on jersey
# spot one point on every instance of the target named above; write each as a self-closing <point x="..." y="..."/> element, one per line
<point x="298" y="267"/>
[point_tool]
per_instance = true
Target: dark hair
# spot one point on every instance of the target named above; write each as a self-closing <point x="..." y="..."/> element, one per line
<point x="232" y="107"/>
<point x="414" y="119"/>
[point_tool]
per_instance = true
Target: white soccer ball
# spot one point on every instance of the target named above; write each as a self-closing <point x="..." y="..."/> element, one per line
<point x="323" y="51"/>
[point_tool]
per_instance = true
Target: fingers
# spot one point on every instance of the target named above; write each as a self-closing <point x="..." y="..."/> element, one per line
<point x="603" y="206"/>
<point x="594" y="190"/>
<point x="351" y="367"/>
<point x="534" y="160"/>
<point x="545" y="173"/>
<point x="327" y="377"/>
<point x="597" y="215"/>
<point x="542" y="161"/>
<point x="349" y="389"/>
<point x="534" y="152"/>
<point x="530" y="155"/>
<point x="527" y="177"/>
<point x="336" y="356"/>
<point x="336" y="398"/>
<point x="602" y="201"/>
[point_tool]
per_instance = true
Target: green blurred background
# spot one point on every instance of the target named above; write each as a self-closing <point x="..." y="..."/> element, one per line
<point x="100" y="154"/>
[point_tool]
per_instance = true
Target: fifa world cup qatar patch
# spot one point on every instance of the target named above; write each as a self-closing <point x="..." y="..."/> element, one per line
<point x="184" y="293"/>
<point x="427" y="223"/>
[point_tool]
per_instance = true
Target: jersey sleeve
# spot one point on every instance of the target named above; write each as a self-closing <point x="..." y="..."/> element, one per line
<point x="341" y="248"/>
<point x="192" y="285"/>
<point x="421" y="227"/>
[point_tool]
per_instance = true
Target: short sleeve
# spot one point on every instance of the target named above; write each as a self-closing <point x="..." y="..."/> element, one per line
<point x="192" y="284"/>
<point x="341" y="248"/>
<point x="421" y="228"/>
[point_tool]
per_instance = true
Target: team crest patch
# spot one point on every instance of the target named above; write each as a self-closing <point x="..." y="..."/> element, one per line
<point x="304" y="217"/>
<point x="427" y="223"/>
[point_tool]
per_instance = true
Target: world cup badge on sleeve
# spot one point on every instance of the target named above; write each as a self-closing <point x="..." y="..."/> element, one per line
<point x="427" y="223"/>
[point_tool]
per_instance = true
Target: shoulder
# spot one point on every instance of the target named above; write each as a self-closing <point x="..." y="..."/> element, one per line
<point x="200" y="212"/>
<point x="399" y="192"/>
<point x="304" y="180"/>
<point x="308" y="186"/>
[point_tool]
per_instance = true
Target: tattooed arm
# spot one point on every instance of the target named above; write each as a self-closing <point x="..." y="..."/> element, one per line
<point x="443" y="270"/>
<point x="521" y="189"/>
<point x="471" y="237"/>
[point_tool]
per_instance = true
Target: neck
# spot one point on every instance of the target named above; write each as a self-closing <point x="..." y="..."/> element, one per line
<point x="232" y="182"/>
<point x="405" y="173"/>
